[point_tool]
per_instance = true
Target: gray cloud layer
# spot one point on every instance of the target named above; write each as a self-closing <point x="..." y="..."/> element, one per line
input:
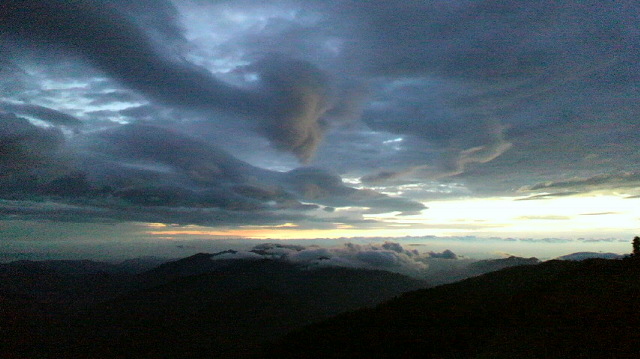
<point x="289" y="104"/>
<point x="436" y="268"/>
<point x="41" y="113"/>
<point x="141" y="172"/>
<point x="628" y="182"/>
<point x="471" y="97"/>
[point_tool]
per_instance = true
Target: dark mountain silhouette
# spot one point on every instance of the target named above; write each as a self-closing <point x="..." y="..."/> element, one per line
<point x="557" y="309"/>
<point x="193" y="265"/>
<point x="71" y="282"/>
<point x="205" y="306"/>
<point x="142" y="264"/>
<point x="492" y="265"/>
<point x="476" y="268"/>
<point x="59" y="281"/>
<point x="231" y="309"/>
<point x="579" y="256"/>
<point x="190" y="308"/>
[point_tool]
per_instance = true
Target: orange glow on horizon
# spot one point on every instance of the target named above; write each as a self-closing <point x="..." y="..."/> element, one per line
<point x="594" y="216"/>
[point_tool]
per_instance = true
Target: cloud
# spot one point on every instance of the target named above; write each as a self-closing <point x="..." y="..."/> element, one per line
<point x="140" y="173"/>
<point x="619" y="182"/>
<point x="599" y="213"/>
<point x="299" y="96"/>
<point x="497" y="82"/>
<point x="544" y="218"/>
<point x="322" y="187"/>
<point x="447" y="254"/>
<point x="107" y="38"/>
<point x="41" y="113"/>
<point x="289" y="104"/>
<point x="87" y="210"/>
<point x="231" y="254"/>
<point x="436" y="268"/>
<point x="24" y="146"/>
<point x="548" y="196"/>
<point x="456" y="99"/>
<point x="389" y="176"/>
<point x="159" y="16"/>
<point x="579" y="256"/>
<point x="388" y="256"/>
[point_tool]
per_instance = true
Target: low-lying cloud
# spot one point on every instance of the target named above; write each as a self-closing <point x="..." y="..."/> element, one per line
<point x="389" y="256"/>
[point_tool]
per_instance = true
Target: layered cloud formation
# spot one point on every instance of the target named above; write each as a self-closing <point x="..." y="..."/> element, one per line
<point x="388" y="256"/>
<point x="436" y="268"/>
<point x="148" y="173"/>
<point x="191" y="111"/>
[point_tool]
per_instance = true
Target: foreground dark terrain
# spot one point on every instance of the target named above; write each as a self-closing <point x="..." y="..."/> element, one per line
<point x="202" y="308"/>
<point x="190" y="308"/>
<point x="557" y="309"/>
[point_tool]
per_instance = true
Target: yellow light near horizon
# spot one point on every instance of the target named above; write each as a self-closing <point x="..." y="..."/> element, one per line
<point x="155" y="225"/>
<point x="594" y="216"/>
<point x="597" y="214"/>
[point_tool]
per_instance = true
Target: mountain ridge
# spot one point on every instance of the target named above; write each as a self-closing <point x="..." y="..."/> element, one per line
<point x="551" y="310"/>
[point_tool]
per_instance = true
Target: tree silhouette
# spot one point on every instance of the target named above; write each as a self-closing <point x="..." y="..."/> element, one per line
<point x="636" y="247"/>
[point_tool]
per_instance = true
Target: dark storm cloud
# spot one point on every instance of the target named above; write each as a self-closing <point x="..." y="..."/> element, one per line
<point x="24" y="146"/>
<point x="624" y="181"/>
<point x="388" y="176"/>
<point x="166" y="156"/>
<point x="289" y="106"/>
<point x="197" y="160"/>
<point x="41" y="113"/>
<point x="319" y="186"/>
<point x="299" y="92"/>
<point x="141" y="172"/>
<point x="109" y="40"/>
<point x="420" y="108"/>
<point x="105" y="98"/>
<point x="492" y="94"/>
<point x="383" y="176"/>
<point x="6" y="66"/>
<point x="94" y="211"/>
<point x="494" y="41"/>
<point x="478" y="79"/>
<point x="158" y="16"/>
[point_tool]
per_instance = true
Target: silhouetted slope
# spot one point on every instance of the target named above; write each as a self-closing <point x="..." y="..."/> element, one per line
<point x="71" y="282"/>
<point x="193" y="265"/>
<point x="557" y="309"/>
<point x="476" y="268"/>
<point x="37" y="298"/>
<point x="579" y="256"/>
<point x="62" y="282"/>
<point x="226" y="310"/>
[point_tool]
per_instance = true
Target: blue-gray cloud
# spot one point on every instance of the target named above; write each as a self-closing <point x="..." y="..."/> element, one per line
<point x="623" y="182"/>
<point x="142" y="172"/>
<point x="24" y="146"/>
<point x="288" y="105"/>
<point x="455" y="98"/>
<point x="41" y="113"/>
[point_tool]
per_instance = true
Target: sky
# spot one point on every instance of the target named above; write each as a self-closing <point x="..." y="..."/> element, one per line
<point x="132" y="124"/>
